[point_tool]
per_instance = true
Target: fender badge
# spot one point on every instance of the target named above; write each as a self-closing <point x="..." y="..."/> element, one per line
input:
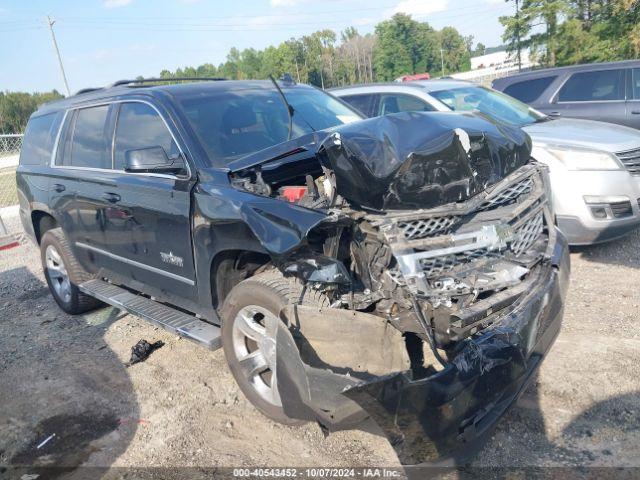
<point x="171" y="259"/>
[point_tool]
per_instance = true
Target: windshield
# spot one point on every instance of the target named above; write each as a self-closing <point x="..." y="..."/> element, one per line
<point x="233" y="123"/>
<point x="489" y="102"/>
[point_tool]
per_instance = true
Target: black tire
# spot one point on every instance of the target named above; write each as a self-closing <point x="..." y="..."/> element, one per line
<point x="76" y="301"/>
<point x="272" y="291"/>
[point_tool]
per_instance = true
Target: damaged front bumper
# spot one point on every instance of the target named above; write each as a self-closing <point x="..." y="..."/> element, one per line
<point x="441" y="417"/>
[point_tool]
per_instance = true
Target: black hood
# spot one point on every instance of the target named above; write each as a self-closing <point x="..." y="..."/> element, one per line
<point x="416" y="160"/>
<point x="407" y="160"/>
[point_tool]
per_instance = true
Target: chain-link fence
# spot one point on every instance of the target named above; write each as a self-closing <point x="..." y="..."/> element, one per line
<point x="9" y="153"/>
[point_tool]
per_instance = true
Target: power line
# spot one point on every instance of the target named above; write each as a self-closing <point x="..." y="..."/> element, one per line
<point x="227" y="27"/>
<point x="173" y="20"/>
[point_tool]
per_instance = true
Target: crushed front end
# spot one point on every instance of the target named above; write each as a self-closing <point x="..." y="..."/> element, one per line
<point x="445" y="274"/>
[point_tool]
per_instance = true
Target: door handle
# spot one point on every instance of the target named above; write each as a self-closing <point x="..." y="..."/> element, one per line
<point x="58" y="187"/>
<point x="635" y="112"/>
<point x="111" y="197"/>
<point x="555" y="114"/>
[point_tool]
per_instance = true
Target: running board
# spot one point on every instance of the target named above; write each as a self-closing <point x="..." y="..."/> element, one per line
<point x="159" y="314"/>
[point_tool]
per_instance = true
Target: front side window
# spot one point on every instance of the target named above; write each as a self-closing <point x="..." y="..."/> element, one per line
<point x="491" y="103"/>
<point x="603" y="85"/>
<point x="39" y="138"/>
<point x="362" y="102"/>
<point x="90" y="143"/>
<point x="529" y="91"/>
<point x="140" y="126"/>
<point x="396" y="102"/>
<point x="237" y="122"/>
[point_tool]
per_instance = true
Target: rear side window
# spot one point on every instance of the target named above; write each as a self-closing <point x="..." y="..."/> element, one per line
<point x="89" y="144"/>
<point x="39" y="139"/>
<point x="529" y="90"/>
<point x="395" y="103"/>
<point x="140" y="126"/>
<point x="636" y="83"/>
<point x="365" y="103"/>
<point x="603" y="85"/>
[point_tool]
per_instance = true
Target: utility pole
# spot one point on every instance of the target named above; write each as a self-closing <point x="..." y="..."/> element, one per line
<point x="442" y="59"/>
<point x="55" y="46"/>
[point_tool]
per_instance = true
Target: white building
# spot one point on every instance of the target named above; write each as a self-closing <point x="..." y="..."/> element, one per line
<point x="486" y="68"/>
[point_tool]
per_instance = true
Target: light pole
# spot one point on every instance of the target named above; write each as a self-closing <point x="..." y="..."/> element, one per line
<point x="442" y="60"/>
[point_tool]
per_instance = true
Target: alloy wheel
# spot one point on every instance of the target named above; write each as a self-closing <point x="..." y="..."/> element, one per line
<point x="254" y="346"/>
<point x="57" y="273"/>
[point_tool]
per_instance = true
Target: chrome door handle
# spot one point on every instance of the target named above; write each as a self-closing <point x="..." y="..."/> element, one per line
<point x="111" y="197"/>
<point x="555" y="114"/>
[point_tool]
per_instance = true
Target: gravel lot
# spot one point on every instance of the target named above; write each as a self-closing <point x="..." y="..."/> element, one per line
<point x="65" y="375"/>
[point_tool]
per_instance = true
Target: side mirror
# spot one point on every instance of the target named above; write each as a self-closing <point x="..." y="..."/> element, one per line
<point x="152" y="160"/>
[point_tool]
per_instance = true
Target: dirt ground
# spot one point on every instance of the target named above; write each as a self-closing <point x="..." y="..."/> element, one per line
<point x="65" y="375"/>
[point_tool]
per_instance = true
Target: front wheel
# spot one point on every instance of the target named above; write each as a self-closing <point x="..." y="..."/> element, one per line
<point x="250" y="317"/>
<point x="63" y="274"/>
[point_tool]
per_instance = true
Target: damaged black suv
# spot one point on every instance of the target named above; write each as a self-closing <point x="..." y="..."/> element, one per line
<point x="404" y="267"/>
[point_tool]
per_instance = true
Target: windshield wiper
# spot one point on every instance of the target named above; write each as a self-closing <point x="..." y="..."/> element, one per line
<point x="289" y="108"/>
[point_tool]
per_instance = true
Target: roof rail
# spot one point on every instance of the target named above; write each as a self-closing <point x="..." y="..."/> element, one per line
<point x="87" y="90"/>
<point x="157" y="80"/>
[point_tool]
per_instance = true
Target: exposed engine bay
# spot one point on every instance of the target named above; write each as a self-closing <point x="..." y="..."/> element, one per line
<point x="449" y="269"/>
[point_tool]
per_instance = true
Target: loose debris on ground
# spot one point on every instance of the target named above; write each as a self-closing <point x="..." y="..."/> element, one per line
<point x="141" y="350"/>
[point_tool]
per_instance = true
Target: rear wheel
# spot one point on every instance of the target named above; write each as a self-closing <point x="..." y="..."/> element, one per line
<point x="250" y="318"/>
<point x="63" y="273"/>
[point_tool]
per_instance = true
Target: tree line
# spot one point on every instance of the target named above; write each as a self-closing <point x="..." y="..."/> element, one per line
<point x="568" y="32"/>
<point x="16" y="107"/>
<point x="398" y="46"/>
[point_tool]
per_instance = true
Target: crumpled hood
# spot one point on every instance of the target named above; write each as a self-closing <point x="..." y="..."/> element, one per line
<point x="414" y="160"/>
<point x="585" y="134"/>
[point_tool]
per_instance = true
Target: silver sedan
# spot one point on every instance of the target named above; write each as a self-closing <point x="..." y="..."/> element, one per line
<point x="594" y="166"/>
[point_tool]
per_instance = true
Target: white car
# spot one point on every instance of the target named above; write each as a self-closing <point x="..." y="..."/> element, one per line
<point x="594" y="166"/>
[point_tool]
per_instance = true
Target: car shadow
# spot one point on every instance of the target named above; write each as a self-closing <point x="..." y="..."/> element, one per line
<point x="599" y="442"/>
<point x="65" y="395"/>
<point x="623" y="251"/>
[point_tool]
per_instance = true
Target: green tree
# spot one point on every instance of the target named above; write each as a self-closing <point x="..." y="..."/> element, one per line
<point x="455" y="51"/>
<point x="480" y="50"/>
<point x="516" y="28"/>
<point x="545" y="12"/>
<point x="17" y="107"/>
<point x="404" y="46"/>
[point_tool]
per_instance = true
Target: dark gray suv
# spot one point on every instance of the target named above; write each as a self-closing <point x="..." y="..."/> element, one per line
<point x="609" y="92"/>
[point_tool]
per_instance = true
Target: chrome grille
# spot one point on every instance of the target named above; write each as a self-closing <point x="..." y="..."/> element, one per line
<point x="416" y="229"/>
<point x="508" y="195"/>
<point x="526" y="235"/>
<point x="436" y="265"/>
<point x="631" y="160"/>
<point x="428" y="247"/>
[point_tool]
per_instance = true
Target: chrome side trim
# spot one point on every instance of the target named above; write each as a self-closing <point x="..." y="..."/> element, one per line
<point x="136" y="264"/>
<point x="120" y="172"/>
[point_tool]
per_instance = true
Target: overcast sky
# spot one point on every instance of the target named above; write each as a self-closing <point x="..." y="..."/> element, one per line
<point x="105" y="40"/>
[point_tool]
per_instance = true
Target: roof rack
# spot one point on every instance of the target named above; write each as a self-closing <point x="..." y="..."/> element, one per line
<point x="157" y="80"/>
<point x="87" y="90"/>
